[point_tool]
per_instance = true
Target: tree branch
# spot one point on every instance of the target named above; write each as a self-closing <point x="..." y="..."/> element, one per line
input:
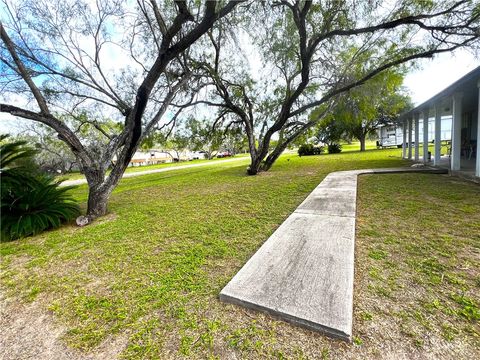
<point x="23" y="71"/>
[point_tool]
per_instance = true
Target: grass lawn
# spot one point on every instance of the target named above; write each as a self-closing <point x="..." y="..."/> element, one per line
<point x="355" y="145"/>
<point x="132" y="169"/>
<point x="143" y="282"/>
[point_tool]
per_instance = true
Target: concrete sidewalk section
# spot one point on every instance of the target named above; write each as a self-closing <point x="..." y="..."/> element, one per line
<point x="304" y="272"/>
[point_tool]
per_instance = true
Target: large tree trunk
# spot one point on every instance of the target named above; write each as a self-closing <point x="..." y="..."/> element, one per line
<point x="254" y="167"/>
<point x="97" y="203"/>
<point x="362" y="142"/>
<point x="99" y="192"/>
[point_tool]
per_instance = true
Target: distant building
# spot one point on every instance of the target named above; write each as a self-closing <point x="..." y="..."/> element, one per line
<point x="150" y="157"/>
<point x="154" y="157"/>
<point x="392" y="134"/>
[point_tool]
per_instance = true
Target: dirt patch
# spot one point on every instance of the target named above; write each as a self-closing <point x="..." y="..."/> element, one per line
<point x="31" y="332"/>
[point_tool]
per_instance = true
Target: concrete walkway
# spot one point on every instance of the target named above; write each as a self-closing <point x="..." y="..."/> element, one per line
<point x="154" y="171"/>
<point x="304" y="272"/>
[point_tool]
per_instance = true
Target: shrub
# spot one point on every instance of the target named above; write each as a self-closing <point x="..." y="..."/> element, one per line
<point x="30" y="202"/>
<point x="309" y="149"/>
<point x="334" y="148"/>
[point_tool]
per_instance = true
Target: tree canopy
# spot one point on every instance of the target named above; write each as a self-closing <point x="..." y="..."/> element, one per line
<point x="80" y="62"/>
<point x="378" y="102"/>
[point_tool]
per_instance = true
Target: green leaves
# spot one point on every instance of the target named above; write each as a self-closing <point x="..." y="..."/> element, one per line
<point x="30" y="202"/>
<point x="379" y="100"/>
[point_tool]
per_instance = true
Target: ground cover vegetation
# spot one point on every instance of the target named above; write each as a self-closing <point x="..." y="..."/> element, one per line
<point x="31" y="201"/>
<point x="143" y="282"/>
<point x="185" y="53"/>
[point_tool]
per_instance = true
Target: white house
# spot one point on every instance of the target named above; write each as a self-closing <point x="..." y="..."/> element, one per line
<point x="457" y="105"/>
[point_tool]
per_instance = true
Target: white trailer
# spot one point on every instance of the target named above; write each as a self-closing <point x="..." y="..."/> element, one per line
<point x="389" y="136"/>
<point x="392" y="134"/>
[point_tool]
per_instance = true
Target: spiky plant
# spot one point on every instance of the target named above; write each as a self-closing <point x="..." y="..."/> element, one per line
<point x="30" y="202"/>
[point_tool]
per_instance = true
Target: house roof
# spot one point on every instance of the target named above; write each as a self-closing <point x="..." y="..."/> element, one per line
<point x="466" y="84"/>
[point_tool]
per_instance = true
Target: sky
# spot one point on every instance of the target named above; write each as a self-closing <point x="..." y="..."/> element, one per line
<point x="438" y="73"/>
<point x="431" y="77"/>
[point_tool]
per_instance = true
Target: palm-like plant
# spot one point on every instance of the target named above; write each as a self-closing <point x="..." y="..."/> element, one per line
<point x="30" y="202"/>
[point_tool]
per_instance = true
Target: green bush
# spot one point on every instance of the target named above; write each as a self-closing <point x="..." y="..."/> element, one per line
<point x="30" y="201"/>
<point x="309" y="149"/>
<point x="334" y="148"/>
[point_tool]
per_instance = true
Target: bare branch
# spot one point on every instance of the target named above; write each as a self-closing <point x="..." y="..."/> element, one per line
<point x="23" y="71"/>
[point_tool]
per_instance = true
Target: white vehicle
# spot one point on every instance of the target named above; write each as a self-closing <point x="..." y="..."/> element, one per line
<point x="197" y="155"/>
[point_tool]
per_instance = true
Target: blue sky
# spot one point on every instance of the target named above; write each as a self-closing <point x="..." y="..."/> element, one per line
<point x="431" y="77"/>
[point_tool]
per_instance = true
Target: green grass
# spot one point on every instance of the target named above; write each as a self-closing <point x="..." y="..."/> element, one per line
<point x="133" y="169"/>
<point x="355" y="145"/>
<point x="420" y="264"/>
<point x="151" y="270"/>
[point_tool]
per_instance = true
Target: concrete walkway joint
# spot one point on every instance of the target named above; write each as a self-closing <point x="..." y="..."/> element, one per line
<point x="304" y="272"/>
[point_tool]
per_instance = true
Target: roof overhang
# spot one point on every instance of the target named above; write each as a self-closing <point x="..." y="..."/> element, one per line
<point x="464" y="85"/>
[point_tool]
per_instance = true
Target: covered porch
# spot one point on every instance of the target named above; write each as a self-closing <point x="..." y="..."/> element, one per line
<point x="444" y="130"/>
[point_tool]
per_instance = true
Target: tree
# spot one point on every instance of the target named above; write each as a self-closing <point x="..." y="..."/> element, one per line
<point x="377" y="102"/>
<point x="58" y="53"/>
<point x="308" y="52"/>
<point x="329" y="131"/>
<point x="234" y="140"/>
<point x="53" y="155"/>
<point x="178" y="142"/>
<point x="205" y="137"/>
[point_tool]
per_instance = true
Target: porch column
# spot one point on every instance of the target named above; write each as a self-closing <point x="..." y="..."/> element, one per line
<point x="404" y="144"/>
<point x="438" y="133"/>
<point x="456" y="131"/>
<point x="417" y="145"/>
<point x="477" y="168"/>
<point x="410" y="139"/>
<point x="426" y="113"/>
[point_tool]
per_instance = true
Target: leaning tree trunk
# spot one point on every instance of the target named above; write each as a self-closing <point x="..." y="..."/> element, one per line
<point x="274" y="155"/>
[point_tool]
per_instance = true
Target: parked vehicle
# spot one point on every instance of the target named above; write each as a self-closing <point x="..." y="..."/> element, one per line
<point x="390" y="135"/>
<point x="224" y="154"/>
<point x="197" y="155"/>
